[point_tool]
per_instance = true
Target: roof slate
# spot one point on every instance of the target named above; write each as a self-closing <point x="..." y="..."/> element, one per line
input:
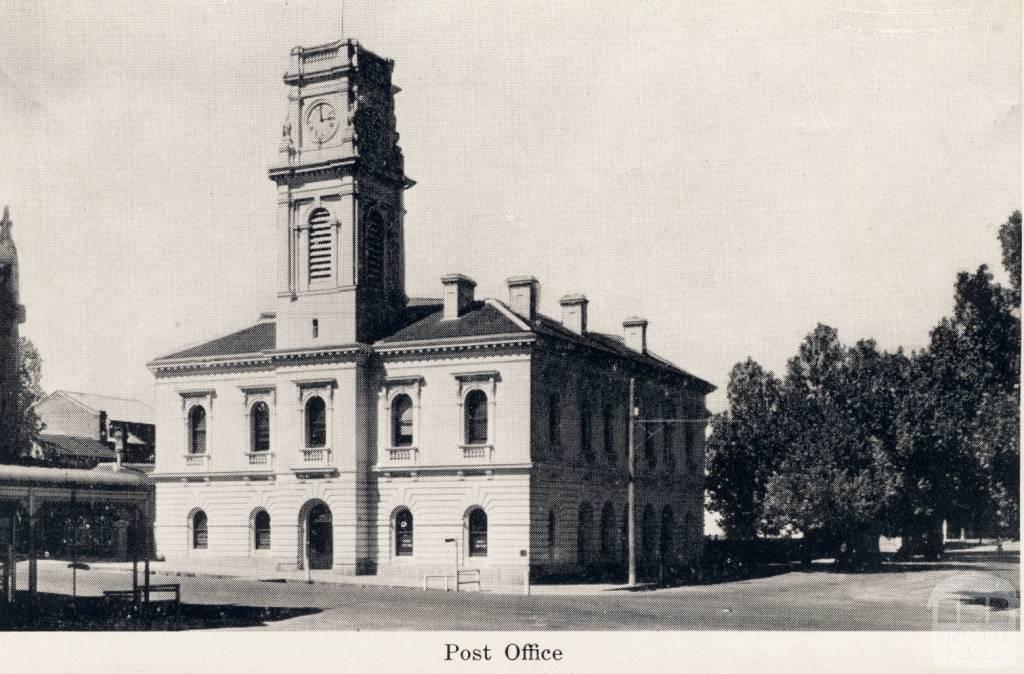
<point x="480" y="320"/>
<point x="423" y="322"/>
<point x="260" y="337"/>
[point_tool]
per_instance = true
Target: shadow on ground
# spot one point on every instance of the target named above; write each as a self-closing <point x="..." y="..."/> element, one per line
<point x="731" y="571"/>
<point x="996" y="601"/>
<point x="1007" y="556"/>
<point x="60" y="612"/>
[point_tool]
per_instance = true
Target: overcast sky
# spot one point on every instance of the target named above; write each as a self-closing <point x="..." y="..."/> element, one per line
<point x="734" y="172"/>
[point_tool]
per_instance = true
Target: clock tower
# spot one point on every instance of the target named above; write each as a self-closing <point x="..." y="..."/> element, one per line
<point x="340" y="177"/>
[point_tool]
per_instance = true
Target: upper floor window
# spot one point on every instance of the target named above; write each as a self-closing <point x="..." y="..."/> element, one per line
<point x="586" y="440"/>
<point x="476" y="418"/>
<point x="197" y="430"/>
<point x="320" y="244"/>
<point x="401" y="421"/>
<point x="261" y="530"/>
<point x="668" y="430"/>
<point x="316" y="422"/>
<point x="477" y="525"/>
<point x="200" y="538"/>
<point x="403" y="533"/>
<point x="554" y="420"/>
<point x="608" y="430"/>
<point x="649" y="431"/>
<point x="259" y="427"/>
<point x="692" y="429"/>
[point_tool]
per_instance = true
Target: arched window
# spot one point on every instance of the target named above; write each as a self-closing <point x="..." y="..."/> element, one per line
<point x="554" y="421"/>
<point x="476" y="418"/>
<point x="666" y="543"/>
<point x="477" y="525"/>
<point x="648" y="538"/>
<point x="584" y="534"/>
<point x="668" y="430"/>
<point x="551" y="534"/>
<point x="259" y="425"/>
<point x="403" y="533"/>
<point x="648" y="431"/>
<point x="608" y="531"/>
<point x="200" y="536"/>
<point x="401" y="421"/>
<point x="316" y="422"/>
<point x="692" y="430"/>
<point x="608" y="431"/>
<point x="197" y="430"/>
<point x="320" y="244"/>
<point x="261" y="530"/>
<point x="586" y="441"/>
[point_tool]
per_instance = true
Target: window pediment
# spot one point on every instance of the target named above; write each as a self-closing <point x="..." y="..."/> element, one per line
<point x="255" y="394"/>
<point x="191" y="397"/>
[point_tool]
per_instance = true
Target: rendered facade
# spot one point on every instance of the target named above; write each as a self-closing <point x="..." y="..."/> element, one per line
<point x="356" y="430"/>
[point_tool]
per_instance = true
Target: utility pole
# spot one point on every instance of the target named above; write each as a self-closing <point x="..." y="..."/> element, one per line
<point x="631" y="484"/>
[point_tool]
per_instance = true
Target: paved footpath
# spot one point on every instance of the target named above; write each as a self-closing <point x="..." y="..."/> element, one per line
<point x="894" y="599"/>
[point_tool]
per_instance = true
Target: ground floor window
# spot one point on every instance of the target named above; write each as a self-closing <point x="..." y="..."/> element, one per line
<point x="551" y="534"/>
<point x="584" y="534"/>
<point x="261" y="530"/>
<point x="477" y="533"/>
<point x="607" y="532"/>
<point x="199" y="531"/>
<point x="403" y="533"/>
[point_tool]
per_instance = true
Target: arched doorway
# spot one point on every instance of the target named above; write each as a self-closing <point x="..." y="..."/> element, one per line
<point x="584" y="536"/>
<point x="647" y="564"/>
<point x="665" y="544"/>
<point x="607" y="539"/>
<point x="318" y="528"/>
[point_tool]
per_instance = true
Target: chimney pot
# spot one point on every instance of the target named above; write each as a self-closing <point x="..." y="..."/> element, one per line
<point x="635" y="330"/>
<point x="458" y="294"/>
<point x="574" y="313"/>
<point x="523" y="293"/>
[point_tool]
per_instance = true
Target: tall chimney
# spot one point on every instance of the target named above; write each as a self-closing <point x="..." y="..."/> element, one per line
<point x="636" y="333"/>
<point x="458" y="294"/>
<point x="574" y="313"/>
<point x="523" y="293"/>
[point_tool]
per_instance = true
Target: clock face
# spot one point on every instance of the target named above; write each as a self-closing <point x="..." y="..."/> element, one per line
<point x="322" y="121"/>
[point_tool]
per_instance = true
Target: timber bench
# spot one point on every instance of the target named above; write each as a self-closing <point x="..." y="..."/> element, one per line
<point x="134" y="595"/>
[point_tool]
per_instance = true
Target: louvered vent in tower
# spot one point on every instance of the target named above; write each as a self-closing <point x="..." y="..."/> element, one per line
<point x="319" y="244"/>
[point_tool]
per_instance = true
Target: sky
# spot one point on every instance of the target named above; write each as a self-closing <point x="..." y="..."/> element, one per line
<point x="735" y="172"/>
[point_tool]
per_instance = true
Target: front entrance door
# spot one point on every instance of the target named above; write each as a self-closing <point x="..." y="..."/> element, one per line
<point x="320" y="537"/>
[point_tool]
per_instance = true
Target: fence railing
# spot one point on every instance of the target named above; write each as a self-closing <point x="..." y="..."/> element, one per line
<point x="462" y="578"/>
